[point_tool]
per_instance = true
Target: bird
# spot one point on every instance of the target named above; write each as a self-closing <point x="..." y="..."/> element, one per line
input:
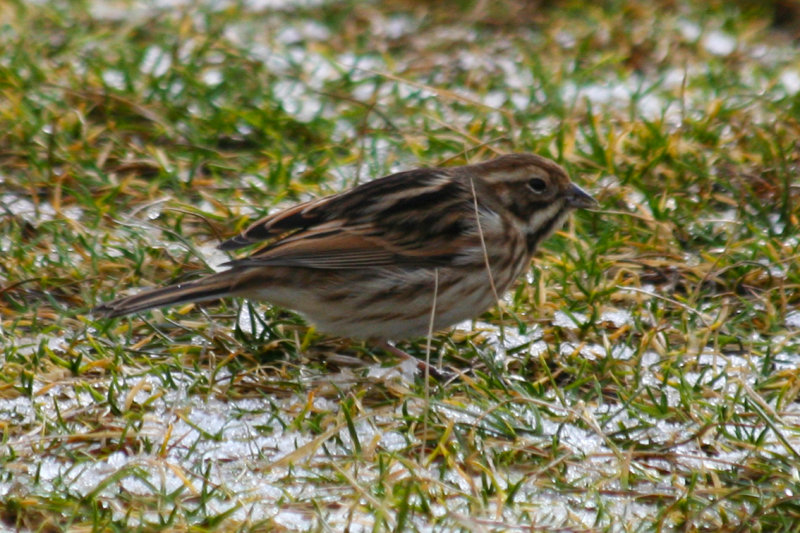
<point x="396" y="257"/>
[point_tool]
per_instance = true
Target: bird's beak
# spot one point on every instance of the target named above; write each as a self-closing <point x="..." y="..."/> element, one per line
<point x="578" y="198"/>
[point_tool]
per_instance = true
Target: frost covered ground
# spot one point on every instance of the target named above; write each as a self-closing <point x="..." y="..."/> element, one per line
<point x="643" y="375"/>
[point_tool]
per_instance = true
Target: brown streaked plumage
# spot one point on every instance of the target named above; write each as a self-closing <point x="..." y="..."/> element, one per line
<point x="366" y="263"/>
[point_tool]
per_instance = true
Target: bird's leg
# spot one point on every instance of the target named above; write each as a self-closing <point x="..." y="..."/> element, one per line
<point x="422" y="366"/>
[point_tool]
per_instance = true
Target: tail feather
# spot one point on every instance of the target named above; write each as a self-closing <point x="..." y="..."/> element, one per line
<point x="208" y="288"/>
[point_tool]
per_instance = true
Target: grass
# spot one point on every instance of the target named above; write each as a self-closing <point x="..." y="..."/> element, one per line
<point x="642" y="376"/>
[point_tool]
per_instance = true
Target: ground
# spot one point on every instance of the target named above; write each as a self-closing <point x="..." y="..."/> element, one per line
<point x="643" y="375"/>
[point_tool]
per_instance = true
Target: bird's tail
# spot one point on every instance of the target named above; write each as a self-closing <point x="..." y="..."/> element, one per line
<point x="208" y="288"/>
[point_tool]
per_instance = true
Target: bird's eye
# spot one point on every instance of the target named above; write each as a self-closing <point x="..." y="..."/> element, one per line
<point x="538" y="185"/>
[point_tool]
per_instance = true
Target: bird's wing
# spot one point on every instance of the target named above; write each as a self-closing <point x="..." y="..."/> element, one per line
<point x="418" y="218"/>
<point x="295" y="218"/>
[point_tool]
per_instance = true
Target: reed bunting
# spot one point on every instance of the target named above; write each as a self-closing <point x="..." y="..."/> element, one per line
<point x="381" y="260"/>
